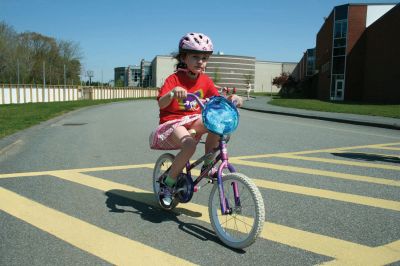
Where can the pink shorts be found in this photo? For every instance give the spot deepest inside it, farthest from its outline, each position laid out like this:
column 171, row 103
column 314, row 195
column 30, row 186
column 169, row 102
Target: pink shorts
column 161, row 139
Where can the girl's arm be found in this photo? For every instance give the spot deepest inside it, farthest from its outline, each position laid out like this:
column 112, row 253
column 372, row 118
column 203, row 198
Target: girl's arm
column 177, row 92
column 237, row 99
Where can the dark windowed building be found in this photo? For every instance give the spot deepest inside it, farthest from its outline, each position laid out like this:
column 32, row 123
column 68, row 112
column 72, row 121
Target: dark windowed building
column 357, row 53
column 134, row 76
column 306, row 67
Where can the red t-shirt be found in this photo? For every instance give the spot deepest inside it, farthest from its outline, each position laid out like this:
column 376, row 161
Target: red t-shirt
column 203, row 87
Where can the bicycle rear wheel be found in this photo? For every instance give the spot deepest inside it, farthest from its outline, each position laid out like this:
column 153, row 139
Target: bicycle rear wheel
column 241, row 227
column 163, row 163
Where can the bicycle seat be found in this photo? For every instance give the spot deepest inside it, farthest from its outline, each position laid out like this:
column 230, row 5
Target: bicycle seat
column 220, row 116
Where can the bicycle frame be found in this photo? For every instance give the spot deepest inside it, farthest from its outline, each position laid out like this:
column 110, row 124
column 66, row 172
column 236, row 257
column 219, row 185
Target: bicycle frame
column 223, row 157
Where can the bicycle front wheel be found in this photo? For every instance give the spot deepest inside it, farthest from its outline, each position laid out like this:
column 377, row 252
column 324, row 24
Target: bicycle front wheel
column 241, row 227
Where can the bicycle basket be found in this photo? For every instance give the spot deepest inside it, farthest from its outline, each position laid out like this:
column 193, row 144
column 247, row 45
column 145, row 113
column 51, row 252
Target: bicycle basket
column 220, row 116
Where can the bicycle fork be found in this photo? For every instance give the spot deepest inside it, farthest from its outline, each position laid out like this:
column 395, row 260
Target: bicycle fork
column 225, row 208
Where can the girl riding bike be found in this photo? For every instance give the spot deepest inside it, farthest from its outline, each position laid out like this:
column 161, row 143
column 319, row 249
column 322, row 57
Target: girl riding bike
column 180, row 125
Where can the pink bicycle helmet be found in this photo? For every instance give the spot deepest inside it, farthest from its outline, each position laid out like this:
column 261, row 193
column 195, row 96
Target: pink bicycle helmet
column 195, row 42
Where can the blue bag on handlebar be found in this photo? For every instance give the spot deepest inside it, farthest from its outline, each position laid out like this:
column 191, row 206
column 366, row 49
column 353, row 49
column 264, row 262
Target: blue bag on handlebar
column 220, row 116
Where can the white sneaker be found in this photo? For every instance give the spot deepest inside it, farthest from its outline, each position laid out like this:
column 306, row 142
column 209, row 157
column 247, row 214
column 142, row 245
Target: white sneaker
column 167, row 195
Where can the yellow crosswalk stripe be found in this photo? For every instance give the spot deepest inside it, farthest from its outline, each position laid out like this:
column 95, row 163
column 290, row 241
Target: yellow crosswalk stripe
column 106, row 245
column 103, row 168
column 372, row 146
column 388, row 148
column 328, row 194
column 319, row 244
column 325, row 194
column 375, row 180
column 391, row 251
column 341, row 162
column 341, row 250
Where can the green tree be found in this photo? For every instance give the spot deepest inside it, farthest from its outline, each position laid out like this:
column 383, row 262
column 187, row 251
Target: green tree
column 8, row 38
column 119, row 83
column 26, row 53
column 286, row 83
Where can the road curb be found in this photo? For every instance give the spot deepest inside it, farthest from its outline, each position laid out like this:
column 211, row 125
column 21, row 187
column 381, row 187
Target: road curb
column 332, row 119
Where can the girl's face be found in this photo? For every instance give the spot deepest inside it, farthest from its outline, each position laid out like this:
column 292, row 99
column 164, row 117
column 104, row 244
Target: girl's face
column 196, row 63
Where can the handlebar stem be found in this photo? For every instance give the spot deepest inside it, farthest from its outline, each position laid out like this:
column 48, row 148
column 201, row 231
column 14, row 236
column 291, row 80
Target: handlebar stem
column 198, row 100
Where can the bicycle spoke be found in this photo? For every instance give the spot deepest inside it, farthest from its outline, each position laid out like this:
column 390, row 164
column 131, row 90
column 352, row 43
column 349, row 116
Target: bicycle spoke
column 226, row 219
column 243, row 222
column 236, row 226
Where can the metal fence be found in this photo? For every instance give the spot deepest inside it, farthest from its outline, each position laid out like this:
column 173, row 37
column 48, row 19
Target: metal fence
column 17, row 94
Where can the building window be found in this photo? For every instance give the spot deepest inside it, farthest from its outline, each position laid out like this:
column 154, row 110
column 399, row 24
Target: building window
column 339, row 51
column 340, row 29
column 310, row 62
column 338, row 65
column 339, row 42
column 341, row 12
column 136, row 75
column 335, row 93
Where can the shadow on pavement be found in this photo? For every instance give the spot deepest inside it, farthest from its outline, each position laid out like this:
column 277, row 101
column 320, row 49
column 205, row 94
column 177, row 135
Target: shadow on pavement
column 150, row 212
column 369, row 157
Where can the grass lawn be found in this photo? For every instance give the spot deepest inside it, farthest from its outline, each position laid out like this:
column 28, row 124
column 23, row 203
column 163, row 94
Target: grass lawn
column 351, row 108
column 14, row 117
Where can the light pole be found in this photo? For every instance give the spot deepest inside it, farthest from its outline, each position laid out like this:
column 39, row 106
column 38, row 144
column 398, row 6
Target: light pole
column 18, row 70
column 44, row 74
column 65, row 77
column 89, row 73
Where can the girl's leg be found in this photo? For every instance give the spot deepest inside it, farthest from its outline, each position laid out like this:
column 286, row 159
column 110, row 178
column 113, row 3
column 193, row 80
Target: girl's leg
column 212, row 140
column 187, row 144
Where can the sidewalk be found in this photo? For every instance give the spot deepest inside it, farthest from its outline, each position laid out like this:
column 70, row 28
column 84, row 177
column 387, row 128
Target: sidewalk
column 260, row 104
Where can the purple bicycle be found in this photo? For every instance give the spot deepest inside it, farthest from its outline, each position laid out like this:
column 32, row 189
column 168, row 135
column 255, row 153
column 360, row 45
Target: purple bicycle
column 235, row 206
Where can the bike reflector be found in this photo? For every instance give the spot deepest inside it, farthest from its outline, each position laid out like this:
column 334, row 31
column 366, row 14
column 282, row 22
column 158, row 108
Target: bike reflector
column 220, row 116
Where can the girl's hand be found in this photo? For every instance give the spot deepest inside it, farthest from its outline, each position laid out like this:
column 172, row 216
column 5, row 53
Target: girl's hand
column 237, row 99
column 179, row 93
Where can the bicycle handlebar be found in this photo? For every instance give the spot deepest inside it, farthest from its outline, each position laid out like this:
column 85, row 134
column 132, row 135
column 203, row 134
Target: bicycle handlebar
column 199, row 101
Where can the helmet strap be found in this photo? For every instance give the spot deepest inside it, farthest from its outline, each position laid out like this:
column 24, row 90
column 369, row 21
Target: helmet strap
column 188, row 72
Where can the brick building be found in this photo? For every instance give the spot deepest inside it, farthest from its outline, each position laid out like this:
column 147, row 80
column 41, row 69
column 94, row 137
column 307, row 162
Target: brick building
column 357, row 54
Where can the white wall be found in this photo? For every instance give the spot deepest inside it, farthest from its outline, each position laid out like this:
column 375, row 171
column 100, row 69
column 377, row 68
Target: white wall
column 374, row 12
column 163, row 66
column 26, row 94
column 264, row 73
column 289, row 67
column 34, row 95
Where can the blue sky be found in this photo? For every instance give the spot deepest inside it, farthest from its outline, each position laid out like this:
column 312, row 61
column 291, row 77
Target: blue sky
column 121, row 33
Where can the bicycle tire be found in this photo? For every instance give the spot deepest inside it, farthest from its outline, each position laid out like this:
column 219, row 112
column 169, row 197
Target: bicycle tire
column 162, row 164
column 232, row 229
